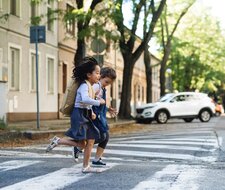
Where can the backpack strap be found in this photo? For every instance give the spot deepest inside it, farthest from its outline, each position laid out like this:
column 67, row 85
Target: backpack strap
column 90, row 90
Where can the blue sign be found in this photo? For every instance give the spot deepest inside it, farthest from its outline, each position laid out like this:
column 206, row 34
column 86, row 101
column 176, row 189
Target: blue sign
column 37, row 34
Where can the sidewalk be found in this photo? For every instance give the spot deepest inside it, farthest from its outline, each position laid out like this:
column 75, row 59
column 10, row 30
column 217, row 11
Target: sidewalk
column 49, row 128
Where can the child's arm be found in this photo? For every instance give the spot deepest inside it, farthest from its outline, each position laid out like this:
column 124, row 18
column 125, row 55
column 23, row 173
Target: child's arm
column 85, row 96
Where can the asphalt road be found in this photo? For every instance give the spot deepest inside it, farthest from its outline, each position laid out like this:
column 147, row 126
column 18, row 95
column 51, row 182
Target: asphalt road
column 175, row 156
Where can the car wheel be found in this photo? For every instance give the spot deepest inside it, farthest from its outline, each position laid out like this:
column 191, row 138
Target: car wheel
column 205, row 116
column 188, row 120
column 161, row 117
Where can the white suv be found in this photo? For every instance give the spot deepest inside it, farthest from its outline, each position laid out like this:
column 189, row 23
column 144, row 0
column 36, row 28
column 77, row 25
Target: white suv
column 183, row 105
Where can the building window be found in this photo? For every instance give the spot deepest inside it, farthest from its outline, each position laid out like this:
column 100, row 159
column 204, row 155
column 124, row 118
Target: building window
column 33, row 9
column 50, row 75
column 64, row 77
column 15, row 68
column 143, row 94
column 70, row 22
column 15, row 7
column 119, row 89
column 50, row 14
column 139, row 92
column 33, row 72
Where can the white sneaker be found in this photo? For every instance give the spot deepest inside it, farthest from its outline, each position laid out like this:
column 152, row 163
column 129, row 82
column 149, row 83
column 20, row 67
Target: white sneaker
column 89, row 169
column 53, row 143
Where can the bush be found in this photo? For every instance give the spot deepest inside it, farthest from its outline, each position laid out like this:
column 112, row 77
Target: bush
column 2, row 124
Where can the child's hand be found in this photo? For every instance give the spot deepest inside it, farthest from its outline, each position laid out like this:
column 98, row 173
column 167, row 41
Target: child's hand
column 102, row 101
column 93, row 116
column 97, row 94
column 112, row 111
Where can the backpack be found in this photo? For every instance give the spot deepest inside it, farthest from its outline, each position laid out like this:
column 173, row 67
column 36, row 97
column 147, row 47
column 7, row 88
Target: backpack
column 67, row 105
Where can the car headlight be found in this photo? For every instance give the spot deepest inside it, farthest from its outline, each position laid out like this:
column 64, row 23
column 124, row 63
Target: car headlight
column 149, row 107
column 148, row 113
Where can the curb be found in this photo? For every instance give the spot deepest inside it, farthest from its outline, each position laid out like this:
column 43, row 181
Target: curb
column 35, row 135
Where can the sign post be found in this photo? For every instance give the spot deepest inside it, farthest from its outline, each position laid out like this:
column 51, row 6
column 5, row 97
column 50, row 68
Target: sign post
column 37, row 35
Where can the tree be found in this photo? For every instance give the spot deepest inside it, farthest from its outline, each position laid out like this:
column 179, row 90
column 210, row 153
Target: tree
column 167, row 34
column 82, row 26
column 89, row 24
column 129, row 52
column 89, row 21
column 197, row 54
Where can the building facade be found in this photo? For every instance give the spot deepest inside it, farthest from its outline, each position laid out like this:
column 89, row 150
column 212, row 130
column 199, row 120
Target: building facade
column 17, row 63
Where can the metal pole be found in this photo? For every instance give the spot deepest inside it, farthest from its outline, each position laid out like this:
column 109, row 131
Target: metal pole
column 116, row 86
column 37, row 92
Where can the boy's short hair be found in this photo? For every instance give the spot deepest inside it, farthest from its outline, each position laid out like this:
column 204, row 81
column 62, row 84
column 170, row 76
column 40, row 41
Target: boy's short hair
column 108, row 72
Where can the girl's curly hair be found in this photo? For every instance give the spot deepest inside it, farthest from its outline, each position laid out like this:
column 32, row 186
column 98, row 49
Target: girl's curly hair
column 87, row 66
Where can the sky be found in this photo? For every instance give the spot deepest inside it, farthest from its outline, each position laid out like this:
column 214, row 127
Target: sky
column 217, row 9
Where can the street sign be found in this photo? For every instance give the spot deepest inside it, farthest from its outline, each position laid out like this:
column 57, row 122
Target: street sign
column 98, row 45
column 37, row 34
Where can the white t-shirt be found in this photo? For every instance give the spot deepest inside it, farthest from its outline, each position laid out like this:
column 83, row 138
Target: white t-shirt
column 82, row 98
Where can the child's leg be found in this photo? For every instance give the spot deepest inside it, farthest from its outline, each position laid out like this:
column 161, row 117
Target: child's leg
column 87, row 152
column 57, row 141
column 69, row 142
column 99, row 153
column 101, row 147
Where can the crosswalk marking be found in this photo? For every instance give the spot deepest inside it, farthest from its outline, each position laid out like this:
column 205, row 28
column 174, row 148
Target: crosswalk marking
column 176, row 147
column 172, row 147
column 203, row 136
column 172, row 177
column 165, row 148
column 30, row 154
column 55, row 180
column 163, row 155
column 15, row 164
column 172, row 142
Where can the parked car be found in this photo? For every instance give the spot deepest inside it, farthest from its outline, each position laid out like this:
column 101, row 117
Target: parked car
column 183, row 105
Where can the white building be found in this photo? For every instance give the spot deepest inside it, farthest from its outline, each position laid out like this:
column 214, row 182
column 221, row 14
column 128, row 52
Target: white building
column 17, row 63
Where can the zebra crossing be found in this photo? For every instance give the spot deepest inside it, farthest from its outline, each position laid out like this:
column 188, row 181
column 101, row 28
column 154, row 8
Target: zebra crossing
column 174, row 152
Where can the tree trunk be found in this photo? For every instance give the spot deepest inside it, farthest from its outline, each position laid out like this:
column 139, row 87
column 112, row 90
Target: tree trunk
column 81, row 26
column 80, row 53
column 125, row 108
column 163, row 69
column 148, row 72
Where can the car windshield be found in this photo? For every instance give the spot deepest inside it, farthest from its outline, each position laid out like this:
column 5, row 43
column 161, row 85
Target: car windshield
column 165, row 97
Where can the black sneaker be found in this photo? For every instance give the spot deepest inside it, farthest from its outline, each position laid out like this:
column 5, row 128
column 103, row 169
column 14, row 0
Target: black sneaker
column 75, row 153
column 98, row 163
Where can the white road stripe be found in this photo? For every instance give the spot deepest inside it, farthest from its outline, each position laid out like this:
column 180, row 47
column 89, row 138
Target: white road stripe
column 55, row 180
column 171, row 142
column 165, row 136
column 15, row 164
column 38, row 155
column 172, row 147
column 31, row 155
column 173, row 177
column 159, row 155
column 189, row 139
column 147, row 154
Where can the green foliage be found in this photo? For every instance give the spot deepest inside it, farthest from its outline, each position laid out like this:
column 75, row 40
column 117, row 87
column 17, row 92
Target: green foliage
column 2, row 124
column 197, row 58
